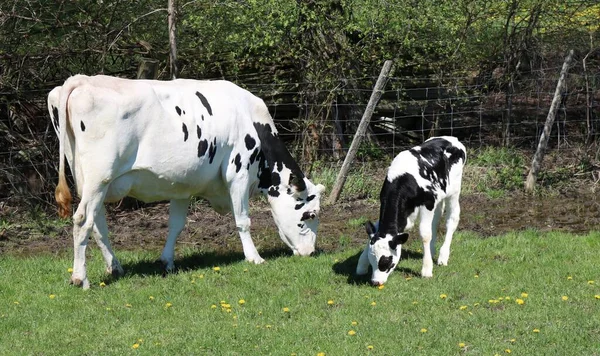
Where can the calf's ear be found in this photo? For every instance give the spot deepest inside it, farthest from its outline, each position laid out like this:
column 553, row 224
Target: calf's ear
column 370, row 228
column 398, row 240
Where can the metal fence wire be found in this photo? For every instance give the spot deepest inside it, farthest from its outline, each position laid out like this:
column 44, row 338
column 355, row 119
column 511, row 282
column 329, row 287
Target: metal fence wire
column 410, row 111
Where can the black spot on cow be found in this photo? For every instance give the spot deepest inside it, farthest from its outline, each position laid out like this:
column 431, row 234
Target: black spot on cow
column 250, row 142
column 274, row 191
column 299, row 206
column 82, row 126
column 253, row 156
column 202, row 147
column 204, row 102
column 238, row 163
column 178, row 109
column 275, row 179
column 300, row 225
column 202, row 117
column 212, row 151
column 385, row 264
column 55, row 116
column 310, row 197
column 185, row 132
column 276, row 154
column 198, row 131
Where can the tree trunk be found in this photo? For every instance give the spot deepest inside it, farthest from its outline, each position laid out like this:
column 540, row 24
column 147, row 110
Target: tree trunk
column 172, row 8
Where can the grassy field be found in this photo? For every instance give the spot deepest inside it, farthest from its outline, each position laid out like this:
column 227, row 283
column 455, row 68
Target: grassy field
column 525, row 293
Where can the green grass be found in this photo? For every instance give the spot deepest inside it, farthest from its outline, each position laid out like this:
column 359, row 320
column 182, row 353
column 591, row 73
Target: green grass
column 364, row 179
column 134, row 310
column 494, row 171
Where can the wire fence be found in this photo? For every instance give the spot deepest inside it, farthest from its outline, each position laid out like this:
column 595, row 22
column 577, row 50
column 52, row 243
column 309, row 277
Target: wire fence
column 479, row 111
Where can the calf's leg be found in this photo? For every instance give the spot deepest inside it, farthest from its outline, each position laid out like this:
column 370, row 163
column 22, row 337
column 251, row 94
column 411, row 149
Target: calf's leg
column 177, row 215
column 426, row 236
column 452, row 219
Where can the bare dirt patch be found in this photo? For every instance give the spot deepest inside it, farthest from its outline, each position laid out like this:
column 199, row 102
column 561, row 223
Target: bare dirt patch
column 146, row 228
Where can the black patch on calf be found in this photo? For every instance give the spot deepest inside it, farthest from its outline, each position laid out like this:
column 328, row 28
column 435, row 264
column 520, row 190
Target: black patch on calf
column 301, row 225
column 198, row 131
column 310, row 197
column 178, row 109
column 204, row 102
column 212, row 151
column 385, row 264
column 250, row 142
column 299, row 206
column 185, row 132
column 82, row 126
column 202, row 147
column 55, row 116
column 274, row 191
column 238, row 163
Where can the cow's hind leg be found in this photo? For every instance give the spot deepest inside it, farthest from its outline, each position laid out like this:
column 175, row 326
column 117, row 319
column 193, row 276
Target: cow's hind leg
column 452, row 218
column 84, row 219
column 177, row 215
column 426, row 236
column 100, row 232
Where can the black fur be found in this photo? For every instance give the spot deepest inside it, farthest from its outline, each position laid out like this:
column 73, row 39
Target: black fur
column 198, row 131
column 204, row 102
column 178, row 110
column 250, row 142
column 202, row 147
column 212, row 151
column 82, row 126
column 55, row 116
column 238, row 163
column 185, row 132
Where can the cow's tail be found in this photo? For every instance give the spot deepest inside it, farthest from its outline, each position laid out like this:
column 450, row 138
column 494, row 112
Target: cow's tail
column 62, row 193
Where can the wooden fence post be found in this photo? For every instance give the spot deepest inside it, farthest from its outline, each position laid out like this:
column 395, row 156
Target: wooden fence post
column 360, row 132
column 541, row 149
column 172, row 9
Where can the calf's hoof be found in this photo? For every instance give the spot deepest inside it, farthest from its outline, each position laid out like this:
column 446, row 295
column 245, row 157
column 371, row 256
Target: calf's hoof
column 115, row 271
column 256, row 260
column 77, row 282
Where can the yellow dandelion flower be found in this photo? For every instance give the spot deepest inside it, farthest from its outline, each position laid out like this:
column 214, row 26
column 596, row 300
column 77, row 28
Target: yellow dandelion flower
column 102, row 284
column 354, row 323
column 70, row 270
column 151, row 297
column 569, row 278
column 507, row 298
column 524, row 295
column 408, row 278
column 507, row 351
column 370, row 347
column 423, row 330
column 476, row 276
column 228, row 310
column 476, row 304
column 597, row 296
column 470, row 313
column 443, row 296
column 415, row 302
column 500, row 298
column 222, row 302
column 168, row 305
column 268, row 326
column 135, row 346
column 108, row 308
column 373, row 303
column 591, row 282
column 193, row 281
column 513, row 340
column 463, row 307
column 245, row 270
column 321, row 354
column 461, row 344
column 286, row 310
column 201, row 276
column 564, row 297
column 241, row 302
column 216, row 269
column 140, row 341
column 536, row 330
column 330, row 302
column 520, row 301
column 293, row 354
column 226, row 306
column 336, row 260
column 381, row 287
column 351, row 332
column 213, row 306
column 493, row 301
column 127, row 305
column 52, row 296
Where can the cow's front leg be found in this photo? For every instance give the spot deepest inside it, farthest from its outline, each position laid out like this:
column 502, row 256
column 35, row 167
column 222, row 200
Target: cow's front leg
column 177, row 215
column 363, row 262
column 425, row 231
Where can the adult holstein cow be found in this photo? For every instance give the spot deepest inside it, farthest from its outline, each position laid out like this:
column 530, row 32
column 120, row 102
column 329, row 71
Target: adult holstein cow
column 171, row 140
column 421, row 182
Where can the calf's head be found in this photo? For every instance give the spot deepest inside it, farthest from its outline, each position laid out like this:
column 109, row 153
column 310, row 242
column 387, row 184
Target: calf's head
column 296, row 213
column 383, row 252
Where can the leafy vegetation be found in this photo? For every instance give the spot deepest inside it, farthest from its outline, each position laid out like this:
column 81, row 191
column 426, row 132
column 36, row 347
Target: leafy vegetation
column 507, row 294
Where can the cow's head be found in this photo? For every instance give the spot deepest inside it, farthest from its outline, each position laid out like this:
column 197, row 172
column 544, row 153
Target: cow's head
column 383, row 252
column 295, row 207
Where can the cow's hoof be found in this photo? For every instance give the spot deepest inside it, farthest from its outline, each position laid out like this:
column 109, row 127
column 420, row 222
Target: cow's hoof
column 426, row 274
column 169, row 266
column 257, row 260
column 115, row 271
column 77, row 282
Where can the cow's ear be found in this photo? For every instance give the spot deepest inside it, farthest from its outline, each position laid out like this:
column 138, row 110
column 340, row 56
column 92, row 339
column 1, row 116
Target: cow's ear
column 370, row 228
column 398, row 240
column 320, row 188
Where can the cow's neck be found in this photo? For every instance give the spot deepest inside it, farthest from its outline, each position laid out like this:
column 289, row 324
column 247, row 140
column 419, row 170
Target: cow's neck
column 397, row 205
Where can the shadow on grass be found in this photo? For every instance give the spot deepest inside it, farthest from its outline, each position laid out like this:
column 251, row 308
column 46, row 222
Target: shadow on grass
column 190, row 262
column 348, row 268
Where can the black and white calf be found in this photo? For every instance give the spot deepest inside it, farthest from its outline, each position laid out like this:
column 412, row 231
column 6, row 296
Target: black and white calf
column 422, row 181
